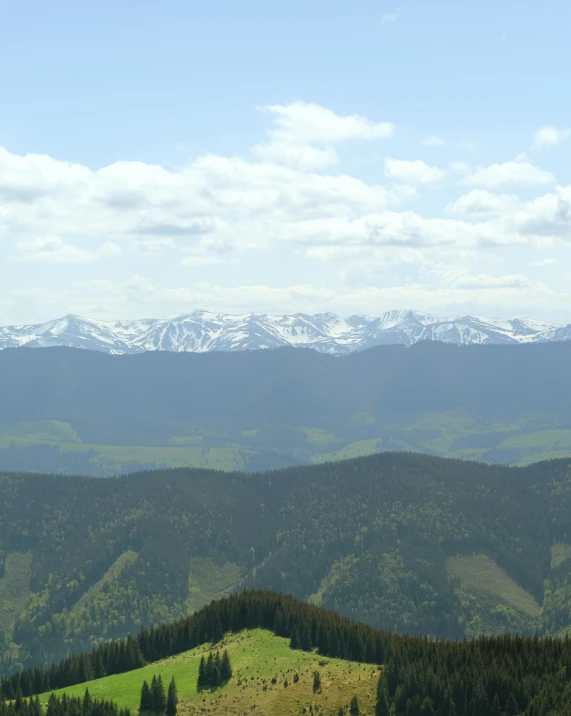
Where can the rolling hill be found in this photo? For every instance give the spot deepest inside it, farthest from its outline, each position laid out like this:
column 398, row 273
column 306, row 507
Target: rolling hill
column 84, row 412
column 282, row 655
column 405, row 542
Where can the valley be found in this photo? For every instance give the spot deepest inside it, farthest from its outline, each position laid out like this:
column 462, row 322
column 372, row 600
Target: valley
column 88, row 413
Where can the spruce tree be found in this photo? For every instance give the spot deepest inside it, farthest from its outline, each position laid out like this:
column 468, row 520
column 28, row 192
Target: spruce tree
column 172, row 699
column 496, row 709
column 146, row 702
column 354, row 708
column 216, row 629
column 159, row 700
column 427, row 709
column 209, row 669
column 201, row 682
column 305, row 641
column 294, row 641
column 87, row 701
column 225, row 667
column 383, row 708
column 316, row 681
column 512, row 708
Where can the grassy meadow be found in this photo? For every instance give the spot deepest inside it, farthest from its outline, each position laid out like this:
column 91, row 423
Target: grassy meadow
column 258, row 657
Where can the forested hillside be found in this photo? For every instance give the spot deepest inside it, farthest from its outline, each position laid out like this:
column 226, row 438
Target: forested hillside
column 75, row 411
column 288, row 656
column 405, row 542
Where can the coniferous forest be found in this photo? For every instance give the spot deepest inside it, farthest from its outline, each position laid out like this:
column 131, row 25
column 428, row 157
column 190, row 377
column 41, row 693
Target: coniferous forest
column 392, row 540
column 486, row 675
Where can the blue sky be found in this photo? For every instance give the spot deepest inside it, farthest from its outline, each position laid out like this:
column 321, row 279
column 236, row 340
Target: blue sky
column 302, row 156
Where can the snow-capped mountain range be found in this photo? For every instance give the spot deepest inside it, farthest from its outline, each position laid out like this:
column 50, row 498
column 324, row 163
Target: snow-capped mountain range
column 202, row 331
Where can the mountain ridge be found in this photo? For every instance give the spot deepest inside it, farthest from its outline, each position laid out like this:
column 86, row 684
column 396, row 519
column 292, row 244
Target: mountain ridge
column 202, row 331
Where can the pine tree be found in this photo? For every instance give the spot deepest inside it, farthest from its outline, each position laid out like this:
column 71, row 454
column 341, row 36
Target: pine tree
column 305, row 640
column 159, row 701
column 354, row 708
column 512, row 708
column 146, row 702
column 316, row 681
column 225, row 667
column 172, row 699
column 496, row 707
column 209, row 669
column 383, row 708
column 87, row 701
column 294, row 641
column 216, row 629
column 427, row 709
column 202, row 682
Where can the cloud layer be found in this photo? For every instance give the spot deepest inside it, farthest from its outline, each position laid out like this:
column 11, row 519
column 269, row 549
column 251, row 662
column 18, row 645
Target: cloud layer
column 290, row 208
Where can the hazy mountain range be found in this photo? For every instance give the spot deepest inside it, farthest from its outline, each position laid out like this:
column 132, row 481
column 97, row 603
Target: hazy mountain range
column 202, row 331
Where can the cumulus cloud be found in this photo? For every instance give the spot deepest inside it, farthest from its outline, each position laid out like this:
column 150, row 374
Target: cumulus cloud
column 508, row 174
column 413, row 172
column 304, row 135
column 548, row 136
column 482, row 203
column 290, row 201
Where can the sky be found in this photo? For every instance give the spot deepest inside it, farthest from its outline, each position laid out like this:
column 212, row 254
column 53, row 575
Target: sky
column 308, row 156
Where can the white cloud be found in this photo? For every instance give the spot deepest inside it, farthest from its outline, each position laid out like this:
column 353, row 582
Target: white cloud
column 53, row 249
column 433, row 141
column 448, row 292
column 482, row 203
column 390, row 17
column 299, row 213
column 305, row 123
column 549, row 136
column 543, row 262
column 512, row 173
column 413, row 171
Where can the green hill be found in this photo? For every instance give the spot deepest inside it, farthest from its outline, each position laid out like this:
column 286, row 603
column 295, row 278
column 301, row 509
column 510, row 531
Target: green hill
column 261, row 663
column 405, row 542
column 288, row 656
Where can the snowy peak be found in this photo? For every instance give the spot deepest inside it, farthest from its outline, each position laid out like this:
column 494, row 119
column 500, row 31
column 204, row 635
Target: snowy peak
column 202, row 331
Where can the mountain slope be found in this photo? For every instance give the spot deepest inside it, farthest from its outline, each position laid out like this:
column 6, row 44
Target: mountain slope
column 257, row 658
column 202, row 331
column 77, row 411
column 371, row 538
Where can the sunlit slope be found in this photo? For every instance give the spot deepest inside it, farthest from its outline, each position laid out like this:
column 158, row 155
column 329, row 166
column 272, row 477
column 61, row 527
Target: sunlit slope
column 258, row 657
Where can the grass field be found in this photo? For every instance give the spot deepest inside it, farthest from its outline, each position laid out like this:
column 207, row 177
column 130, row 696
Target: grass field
column 433, row 433
column 216, row 458
column 479, row 573
column 257, row 657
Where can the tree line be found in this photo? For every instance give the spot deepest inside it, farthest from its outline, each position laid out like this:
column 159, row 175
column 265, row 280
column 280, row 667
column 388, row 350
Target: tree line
column 61, row 706
column 418, row 677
